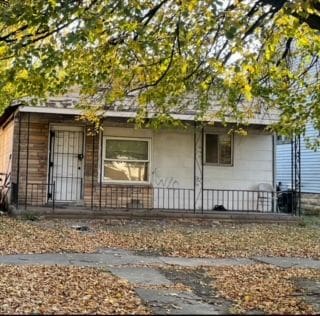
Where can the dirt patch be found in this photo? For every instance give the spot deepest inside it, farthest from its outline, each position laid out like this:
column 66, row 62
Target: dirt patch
column 200, row 284
column 263, row 287
column 310, row 291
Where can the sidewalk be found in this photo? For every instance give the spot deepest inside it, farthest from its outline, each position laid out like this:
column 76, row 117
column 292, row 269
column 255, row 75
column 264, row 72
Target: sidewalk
column 147, row 271
column 118, row 257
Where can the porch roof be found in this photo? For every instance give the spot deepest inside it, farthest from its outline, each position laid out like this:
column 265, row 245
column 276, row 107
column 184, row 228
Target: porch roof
column 262, row 119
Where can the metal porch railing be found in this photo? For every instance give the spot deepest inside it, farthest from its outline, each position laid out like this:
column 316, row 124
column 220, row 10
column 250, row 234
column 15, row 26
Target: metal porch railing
column 159, row 198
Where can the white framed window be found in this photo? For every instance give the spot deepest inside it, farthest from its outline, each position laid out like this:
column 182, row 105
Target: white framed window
column 218, row 149
column 126, row 160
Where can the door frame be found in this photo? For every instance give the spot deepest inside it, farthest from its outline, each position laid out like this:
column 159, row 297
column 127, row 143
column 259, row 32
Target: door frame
column 63, row 126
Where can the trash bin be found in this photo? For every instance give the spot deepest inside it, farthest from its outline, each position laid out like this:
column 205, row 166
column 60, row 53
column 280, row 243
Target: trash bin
column 287, row 201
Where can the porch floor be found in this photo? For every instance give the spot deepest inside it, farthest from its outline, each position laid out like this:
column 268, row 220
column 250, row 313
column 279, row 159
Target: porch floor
column 221, row 216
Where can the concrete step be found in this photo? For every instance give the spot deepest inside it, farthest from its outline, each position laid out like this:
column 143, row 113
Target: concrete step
column 221, row 216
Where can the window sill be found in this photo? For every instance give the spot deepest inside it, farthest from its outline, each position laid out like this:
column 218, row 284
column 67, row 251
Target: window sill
column 126, row 183
column 216, row 165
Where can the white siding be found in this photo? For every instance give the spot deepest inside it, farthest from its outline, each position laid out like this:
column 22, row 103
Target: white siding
column 252, row 165
column 310, row 164
column 172, row 159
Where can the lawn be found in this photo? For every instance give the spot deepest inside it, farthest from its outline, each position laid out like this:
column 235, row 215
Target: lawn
column 74, row 290
column 172, row 238
column 65, row 290
column 265, row 288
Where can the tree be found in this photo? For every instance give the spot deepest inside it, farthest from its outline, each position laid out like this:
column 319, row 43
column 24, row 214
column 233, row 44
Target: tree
column 245, row 56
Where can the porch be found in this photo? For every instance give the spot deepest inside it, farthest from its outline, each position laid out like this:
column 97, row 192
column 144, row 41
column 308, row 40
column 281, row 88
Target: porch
column 156, row 202
column 59, row 167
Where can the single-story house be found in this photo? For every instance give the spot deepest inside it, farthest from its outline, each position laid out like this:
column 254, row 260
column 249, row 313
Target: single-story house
column 49, row 160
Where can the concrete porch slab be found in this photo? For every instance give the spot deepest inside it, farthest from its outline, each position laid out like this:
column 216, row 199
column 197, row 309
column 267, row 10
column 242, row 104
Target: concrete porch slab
column 221, row 216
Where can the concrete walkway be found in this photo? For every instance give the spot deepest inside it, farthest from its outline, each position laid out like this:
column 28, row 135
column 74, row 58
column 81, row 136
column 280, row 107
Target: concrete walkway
column 118, row 257
column 143, row 272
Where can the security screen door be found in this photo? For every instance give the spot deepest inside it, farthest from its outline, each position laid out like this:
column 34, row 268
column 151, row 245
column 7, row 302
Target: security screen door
column 66, row 163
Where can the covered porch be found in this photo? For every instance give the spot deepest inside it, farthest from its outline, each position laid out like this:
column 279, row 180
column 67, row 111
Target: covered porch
column 59, row 165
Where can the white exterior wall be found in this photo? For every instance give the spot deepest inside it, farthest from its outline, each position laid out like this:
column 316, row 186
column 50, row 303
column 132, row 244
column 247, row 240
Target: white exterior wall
column 172, row 159
column 252, row 164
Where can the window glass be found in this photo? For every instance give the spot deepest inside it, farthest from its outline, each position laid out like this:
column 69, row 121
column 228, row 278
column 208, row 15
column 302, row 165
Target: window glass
column 126, row 149
column 126, row 171
column 211, row 148
column 126, row 160
column 225, row 149
column 218, row 149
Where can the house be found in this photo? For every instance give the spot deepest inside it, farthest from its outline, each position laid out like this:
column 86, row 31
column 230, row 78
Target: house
column 309, row 169
column 49, row 161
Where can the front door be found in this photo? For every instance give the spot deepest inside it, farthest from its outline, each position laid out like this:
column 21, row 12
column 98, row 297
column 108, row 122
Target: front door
column 66, row 163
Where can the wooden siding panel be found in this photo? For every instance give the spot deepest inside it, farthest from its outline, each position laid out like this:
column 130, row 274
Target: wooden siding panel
column 34, row 170
column 6, row 146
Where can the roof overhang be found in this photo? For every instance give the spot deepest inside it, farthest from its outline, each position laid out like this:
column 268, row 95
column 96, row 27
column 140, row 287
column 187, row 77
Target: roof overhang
column 120, row 114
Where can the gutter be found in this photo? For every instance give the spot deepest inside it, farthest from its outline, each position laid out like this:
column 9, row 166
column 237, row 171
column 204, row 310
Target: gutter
column 118, row 114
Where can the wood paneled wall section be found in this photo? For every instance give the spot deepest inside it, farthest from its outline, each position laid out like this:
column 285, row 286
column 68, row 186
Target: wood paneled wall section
column 34, row 170
column 6, row 142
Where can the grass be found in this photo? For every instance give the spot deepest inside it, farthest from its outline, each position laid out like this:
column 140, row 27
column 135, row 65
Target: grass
column 160, row 237
column 65, row 290
column 266, row 288
column 310, row 220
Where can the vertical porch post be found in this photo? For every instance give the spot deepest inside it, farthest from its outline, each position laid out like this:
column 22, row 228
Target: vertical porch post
column 27, row 162
column 202, row 163
column 297, row 175
column 92, row 171
column 194, row 164
column 292, row 173
column 299, row 178
column 274, row 185
column 18, row 163
column 101, row 166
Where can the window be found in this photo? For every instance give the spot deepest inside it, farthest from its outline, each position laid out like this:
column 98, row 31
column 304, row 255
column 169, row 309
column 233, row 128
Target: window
column 126, row 160
column 218, row 149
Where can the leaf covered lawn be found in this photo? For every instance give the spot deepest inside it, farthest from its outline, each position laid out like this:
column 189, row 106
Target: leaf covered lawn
column 19, row 236
column 65, row 290
column 263, row 287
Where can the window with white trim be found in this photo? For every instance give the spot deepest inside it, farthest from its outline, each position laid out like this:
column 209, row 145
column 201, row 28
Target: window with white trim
column 218, row 149
column 126, row 159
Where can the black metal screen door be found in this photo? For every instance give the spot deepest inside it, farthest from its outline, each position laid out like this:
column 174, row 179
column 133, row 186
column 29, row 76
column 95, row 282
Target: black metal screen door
column 66, row 163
